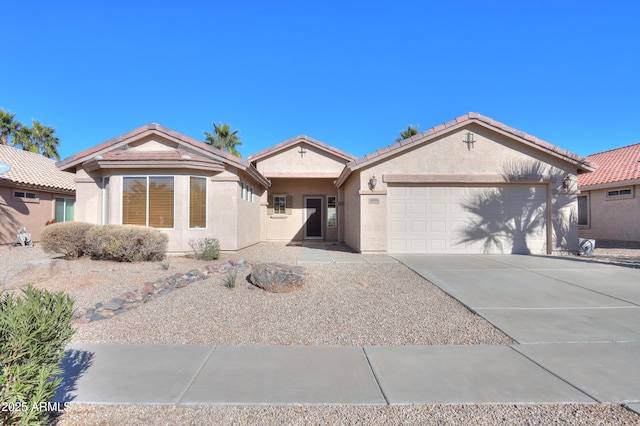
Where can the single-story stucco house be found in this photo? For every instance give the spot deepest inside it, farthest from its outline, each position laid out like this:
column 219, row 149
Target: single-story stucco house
column 33, row 192
column 608, row 205
column 471, row 185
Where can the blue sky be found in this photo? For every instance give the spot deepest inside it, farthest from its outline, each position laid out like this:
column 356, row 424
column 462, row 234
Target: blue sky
column 351, row 74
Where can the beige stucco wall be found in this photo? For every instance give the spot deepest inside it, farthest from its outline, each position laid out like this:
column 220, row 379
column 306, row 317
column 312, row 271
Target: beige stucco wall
column 32, row 213
column 89, row 197
column 491, row 154
column 612, row 219
column 298, row 176
column 352, row 211
column 291, row 227
column 289, row 161
column 234, row 222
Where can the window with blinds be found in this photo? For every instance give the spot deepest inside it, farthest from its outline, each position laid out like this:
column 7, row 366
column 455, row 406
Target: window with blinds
column 197, row 202
column 148, row 201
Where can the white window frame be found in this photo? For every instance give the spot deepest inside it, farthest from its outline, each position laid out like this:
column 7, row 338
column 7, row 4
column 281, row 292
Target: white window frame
column 26, row 195
column 615, row 194
column 274, row 204
column 335, row 225
column 64, row 207
column 588, row 207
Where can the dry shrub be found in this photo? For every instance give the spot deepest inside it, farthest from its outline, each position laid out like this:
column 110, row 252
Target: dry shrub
column 126, row 243
column 67, row 238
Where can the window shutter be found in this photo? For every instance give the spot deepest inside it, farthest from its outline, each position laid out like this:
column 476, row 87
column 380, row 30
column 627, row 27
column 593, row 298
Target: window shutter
column 289, row 204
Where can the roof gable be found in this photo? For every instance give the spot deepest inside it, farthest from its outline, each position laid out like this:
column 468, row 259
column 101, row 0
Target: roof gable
column 35, row 170
column 616, row 165
column 301, row 139
column 455, row 125
column 154, row 142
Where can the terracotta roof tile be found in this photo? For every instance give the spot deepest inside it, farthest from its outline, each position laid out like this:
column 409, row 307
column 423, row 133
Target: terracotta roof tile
column 616, row 165
column 172, row 155
column 29, row 168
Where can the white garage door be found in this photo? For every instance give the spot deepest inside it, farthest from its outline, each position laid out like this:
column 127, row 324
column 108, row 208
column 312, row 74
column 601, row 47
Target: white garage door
column 467, row 219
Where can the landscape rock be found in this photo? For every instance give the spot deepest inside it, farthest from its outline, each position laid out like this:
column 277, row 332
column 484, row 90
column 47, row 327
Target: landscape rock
column 278, row 277
column 34, row 271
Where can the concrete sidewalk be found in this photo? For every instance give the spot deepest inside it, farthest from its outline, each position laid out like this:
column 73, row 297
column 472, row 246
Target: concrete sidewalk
column 328, row 252
column 380, row 375
column 576, row 322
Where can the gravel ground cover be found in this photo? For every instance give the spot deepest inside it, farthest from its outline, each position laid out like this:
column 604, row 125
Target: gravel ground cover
column 374, row 304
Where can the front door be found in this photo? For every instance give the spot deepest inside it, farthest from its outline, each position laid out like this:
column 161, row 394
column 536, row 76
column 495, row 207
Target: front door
column 313, row 215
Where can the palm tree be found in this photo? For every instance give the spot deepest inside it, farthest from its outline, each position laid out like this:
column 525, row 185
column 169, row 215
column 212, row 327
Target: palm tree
column 224, row 139
column 43, row 141
column 8, row 126
column 404, row 134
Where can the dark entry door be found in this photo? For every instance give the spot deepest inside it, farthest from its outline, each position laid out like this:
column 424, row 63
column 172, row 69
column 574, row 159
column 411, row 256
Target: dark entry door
column 313, row 225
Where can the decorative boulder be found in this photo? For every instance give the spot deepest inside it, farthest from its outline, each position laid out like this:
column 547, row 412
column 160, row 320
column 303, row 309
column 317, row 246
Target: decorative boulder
column 278, row 277
column 33, row 271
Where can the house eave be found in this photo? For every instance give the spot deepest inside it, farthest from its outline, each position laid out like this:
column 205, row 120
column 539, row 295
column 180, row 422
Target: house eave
column 151, row 164
column 609, row 185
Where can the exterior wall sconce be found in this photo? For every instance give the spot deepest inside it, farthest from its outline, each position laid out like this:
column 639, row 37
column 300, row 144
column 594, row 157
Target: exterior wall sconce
column 567, row 183
column 373, row 182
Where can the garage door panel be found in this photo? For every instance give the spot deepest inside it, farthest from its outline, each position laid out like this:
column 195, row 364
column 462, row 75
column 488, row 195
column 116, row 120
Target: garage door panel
column 458, row 219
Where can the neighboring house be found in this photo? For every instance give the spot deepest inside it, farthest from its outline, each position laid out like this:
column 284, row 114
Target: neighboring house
column 471, row 185
column 609, row 203
column 33, row 192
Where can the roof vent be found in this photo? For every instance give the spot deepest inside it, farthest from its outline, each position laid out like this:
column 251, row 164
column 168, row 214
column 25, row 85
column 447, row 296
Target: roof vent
column 185, row 157
column 98, row 157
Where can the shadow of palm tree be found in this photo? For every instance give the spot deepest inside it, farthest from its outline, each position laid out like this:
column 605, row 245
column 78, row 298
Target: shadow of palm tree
column 506, row 217
column 73, row 365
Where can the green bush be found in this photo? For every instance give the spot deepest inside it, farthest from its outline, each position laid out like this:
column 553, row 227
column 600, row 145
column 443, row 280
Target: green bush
column 126, row 243
column 67, row 238
column 34, row 330
column 206, row 248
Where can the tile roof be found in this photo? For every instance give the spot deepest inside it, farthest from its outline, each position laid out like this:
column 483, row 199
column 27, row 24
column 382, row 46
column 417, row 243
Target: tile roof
column 487, row 122
column 169, row 155
column 298, row 139
column 616, row 165
column 112, row 145
column 87, row 154
column 31, row 169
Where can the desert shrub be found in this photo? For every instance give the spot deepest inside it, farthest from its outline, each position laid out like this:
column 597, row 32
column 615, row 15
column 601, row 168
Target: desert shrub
column 126, row 243
column 34, row 330
column 230, row 279
column 67, row 238
column 206, row 248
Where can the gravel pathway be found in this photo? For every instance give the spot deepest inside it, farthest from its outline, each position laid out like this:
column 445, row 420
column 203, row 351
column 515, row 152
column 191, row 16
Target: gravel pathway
column 342, row 304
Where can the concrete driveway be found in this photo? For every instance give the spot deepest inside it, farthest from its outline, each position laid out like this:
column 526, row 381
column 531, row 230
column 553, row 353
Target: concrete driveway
column 579, row 320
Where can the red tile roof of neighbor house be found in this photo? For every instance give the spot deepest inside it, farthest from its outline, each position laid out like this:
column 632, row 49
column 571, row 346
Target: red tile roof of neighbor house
column 485, row 121
column 34, row 170
column 616, row 165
